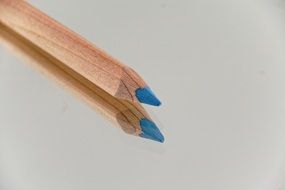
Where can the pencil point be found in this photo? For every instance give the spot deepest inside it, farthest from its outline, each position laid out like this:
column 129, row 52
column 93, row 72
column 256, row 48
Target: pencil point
column 145, row 95
column 150, row 131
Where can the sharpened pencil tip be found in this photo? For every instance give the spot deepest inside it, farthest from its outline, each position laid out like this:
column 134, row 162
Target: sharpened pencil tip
column 145, row 95
column 150, row 131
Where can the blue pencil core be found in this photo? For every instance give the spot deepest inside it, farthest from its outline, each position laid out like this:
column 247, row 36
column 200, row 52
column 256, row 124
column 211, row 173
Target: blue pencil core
column 150, row 130
column 145, row 95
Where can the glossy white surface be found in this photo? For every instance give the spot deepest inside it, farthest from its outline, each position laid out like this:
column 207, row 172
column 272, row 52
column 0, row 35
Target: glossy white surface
column 219, row 69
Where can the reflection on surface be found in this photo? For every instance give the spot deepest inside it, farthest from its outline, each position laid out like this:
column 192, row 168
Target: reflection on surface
column 126, row 115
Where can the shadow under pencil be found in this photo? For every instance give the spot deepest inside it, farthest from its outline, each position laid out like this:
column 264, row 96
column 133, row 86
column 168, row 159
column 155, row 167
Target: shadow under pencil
column 131, row 117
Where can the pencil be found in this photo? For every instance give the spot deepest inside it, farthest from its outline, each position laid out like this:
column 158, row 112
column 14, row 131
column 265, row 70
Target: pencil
column 130, row 116
column 76, row 53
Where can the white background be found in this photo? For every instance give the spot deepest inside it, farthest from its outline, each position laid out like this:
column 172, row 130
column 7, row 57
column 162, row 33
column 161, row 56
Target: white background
column 219, row 69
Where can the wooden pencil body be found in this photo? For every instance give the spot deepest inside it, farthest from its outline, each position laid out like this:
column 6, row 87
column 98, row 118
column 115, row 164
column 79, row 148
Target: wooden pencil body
column 76, row 54
column 126, row 115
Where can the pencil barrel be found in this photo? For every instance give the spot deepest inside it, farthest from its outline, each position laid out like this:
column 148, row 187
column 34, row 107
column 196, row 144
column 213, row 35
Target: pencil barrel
column 71, row 49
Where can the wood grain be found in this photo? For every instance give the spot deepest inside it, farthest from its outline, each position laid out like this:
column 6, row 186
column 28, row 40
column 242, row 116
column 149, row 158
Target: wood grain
column 123, row 113
column 76, row 54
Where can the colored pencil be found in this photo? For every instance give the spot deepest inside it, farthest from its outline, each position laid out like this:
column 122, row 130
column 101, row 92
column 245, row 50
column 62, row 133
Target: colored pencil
column 130, row 116
column 77, row 54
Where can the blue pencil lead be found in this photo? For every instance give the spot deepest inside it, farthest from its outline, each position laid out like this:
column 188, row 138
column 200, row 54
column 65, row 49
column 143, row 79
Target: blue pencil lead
column 150, row 131
column 145, row 95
